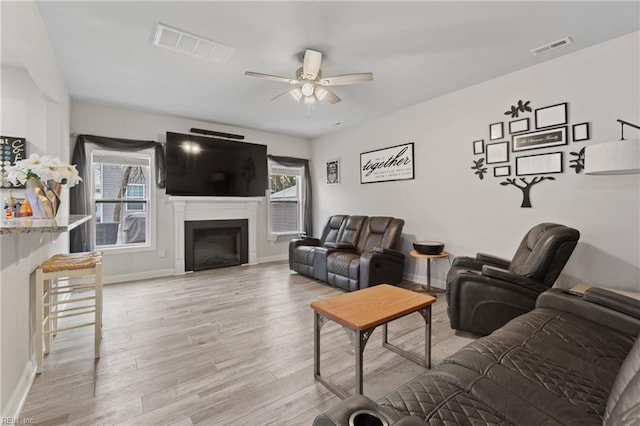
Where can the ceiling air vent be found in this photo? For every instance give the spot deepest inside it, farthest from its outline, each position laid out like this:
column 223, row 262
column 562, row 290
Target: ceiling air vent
column 190, row 44
column 548, row 47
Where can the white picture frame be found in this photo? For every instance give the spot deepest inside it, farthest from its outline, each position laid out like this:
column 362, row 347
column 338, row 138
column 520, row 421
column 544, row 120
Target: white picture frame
column 497, row 152
column 539, row 164
column 387, row 164
column 553, row 115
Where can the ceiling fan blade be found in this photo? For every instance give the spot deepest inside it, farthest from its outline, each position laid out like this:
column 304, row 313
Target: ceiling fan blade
column 311, row 64
column 346, row 79
column 326, row 95
column 295, row 93
column 271, row 77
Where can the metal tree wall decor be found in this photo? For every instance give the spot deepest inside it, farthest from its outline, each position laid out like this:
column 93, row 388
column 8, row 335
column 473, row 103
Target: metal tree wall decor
column 521, row 157
column 525, row 187
column 478, row 166
column 577, row 163
column 518, row 108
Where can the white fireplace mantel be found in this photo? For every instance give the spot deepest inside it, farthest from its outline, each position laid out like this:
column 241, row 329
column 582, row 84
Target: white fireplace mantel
column 212, row 208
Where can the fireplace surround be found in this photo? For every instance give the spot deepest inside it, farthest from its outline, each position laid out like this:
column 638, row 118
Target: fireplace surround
column 187, row 209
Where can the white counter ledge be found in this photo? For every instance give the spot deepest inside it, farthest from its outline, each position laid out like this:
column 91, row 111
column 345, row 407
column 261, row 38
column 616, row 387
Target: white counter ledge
column 30, row 225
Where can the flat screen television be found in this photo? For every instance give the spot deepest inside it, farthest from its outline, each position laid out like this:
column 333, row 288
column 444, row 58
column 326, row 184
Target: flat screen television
column 206, row 166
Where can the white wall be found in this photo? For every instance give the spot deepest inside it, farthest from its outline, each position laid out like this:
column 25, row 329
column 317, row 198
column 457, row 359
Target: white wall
column 102, row 120
column 35, row 105
column 447, row 202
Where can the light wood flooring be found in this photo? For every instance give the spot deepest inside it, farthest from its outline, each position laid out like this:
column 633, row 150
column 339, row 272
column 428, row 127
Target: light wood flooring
column 231, row 346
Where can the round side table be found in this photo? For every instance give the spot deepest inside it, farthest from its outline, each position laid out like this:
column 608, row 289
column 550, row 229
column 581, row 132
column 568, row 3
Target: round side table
column 440, row 255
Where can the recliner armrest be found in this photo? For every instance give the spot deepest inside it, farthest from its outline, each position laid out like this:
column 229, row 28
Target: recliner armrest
column 563, row 300
column 305, row 241
column 505, row 275
column 340, row 246
column 613, row 300
column 390, row 252
column 493, row 260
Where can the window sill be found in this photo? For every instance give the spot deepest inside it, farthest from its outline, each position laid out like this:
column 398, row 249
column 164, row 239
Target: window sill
column 283, row 235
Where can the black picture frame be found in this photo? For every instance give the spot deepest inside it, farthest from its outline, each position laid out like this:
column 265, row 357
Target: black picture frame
column 388, row 164
column 333, row 172
column 551, row 116
column 496, row 131
column 12, row 149
column 539, row 139
column 501, row 171
column 580, row 132
column 497, row 152
column 478, row 147
column 540, row 164
column 519, row 126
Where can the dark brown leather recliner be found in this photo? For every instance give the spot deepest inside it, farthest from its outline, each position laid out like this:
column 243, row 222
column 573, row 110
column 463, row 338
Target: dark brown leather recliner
column 485, row 292
column 301, row 250
column 362, row 253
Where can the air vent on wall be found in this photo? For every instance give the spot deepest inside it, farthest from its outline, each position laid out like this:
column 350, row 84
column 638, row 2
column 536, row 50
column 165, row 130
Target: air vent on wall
column 548, row 47
column 190, row 44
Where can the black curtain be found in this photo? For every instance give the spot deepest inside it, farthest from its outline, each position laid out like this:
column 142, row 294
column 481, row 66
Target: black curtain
column 306, row 190
column 79, row 194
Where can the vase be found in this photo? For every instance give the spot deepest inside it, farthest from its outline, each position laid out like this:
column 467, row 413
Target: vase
column 43, row 197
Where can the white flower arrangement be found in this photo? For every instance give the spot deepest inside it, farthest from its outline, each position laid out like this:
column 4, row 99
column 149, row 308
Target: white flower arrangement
column 44, row 168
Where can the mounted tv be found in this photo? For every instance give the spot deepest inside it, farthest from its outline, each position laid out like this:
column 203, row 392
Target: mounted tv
column 206, row 166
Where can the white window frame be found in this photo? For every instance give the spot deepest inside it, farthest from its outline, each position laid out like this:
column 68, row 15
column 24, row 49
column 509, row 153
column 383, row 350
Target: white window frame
column 299, row 172
column 152, row 235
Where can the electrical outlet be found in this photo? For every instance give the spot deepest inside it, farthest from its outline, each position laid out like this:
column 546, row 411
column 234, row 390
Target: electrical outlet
column 162, row 253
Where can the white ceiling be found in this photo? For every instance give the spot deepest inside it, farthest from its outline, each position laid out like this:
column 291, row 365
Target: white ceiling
column 416, row 51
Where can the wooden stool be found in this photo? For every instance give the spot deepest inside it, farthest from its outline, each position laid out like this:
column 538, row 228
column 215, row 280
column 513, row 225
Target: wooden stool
column 54, row 301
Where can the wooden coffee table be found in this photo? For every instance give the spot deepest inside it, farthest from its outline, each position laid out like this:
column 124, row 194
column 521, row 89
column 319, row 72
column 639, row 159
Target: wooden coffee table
column 359, row 313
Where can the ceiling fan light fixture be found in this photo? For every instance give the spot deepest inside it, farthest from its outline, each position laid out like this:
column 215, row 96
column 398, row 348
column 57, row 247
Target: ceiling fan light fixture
column 320, row 93
column 296, row 94
column 307, row 89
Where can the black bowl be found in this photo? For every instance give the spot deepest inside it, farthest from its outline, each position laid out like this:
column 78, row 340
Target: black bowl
column 428, row 247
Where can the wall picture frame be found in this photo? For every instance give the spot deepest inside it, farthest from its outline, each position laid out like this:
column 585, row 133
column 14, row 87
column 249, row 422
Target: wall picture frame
column 497, row 152
column 519, row 126
column 539, row 164
column 580, row 132
column 539, row 139
column 12, row 149
column 501, row 171
column 387, row 164
column 333, row 172
column 496, row 131
column 550, row 116
column 478, row 147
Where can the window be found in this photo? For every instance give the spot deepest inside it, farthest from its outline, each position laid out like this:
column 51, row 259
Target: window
column 285, row 200
column 117, row 178
column 135, row 190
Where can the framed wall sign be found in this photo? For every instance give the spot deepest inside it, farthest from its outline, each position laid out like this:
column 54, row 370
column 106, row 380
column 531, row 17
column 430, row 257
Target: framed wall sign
column 540, row 139
column 539, row 164
column 387, row 164
column 12, row 149
column 580, row 132
column 333, row 172
column 495, row 131
column 478, row 147
column 554, row 115
column 497, row 152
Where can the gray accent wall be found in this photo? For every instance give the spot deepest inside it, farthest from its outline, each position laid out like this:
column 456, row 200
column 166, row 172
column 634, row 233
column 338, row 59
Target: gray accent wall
column 447, row 202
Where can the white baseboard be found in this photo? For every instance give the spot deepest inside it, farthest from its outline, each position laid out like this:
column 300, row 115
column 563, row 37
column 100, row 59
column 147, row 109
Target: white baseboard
column 112, row 279
column 276, row 258
column 422, row 279
column 20, row 393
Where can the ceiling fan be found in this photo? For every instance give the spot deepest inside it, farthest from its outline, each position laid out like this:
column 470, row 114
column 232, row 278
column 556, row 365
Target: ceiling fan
column 311, row 86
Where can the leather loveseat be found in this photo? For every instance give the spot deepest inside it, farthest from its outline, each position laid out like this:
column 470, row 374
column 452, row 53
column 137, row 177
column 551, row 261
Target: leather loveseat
column 353, row 252
column 572, row 361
